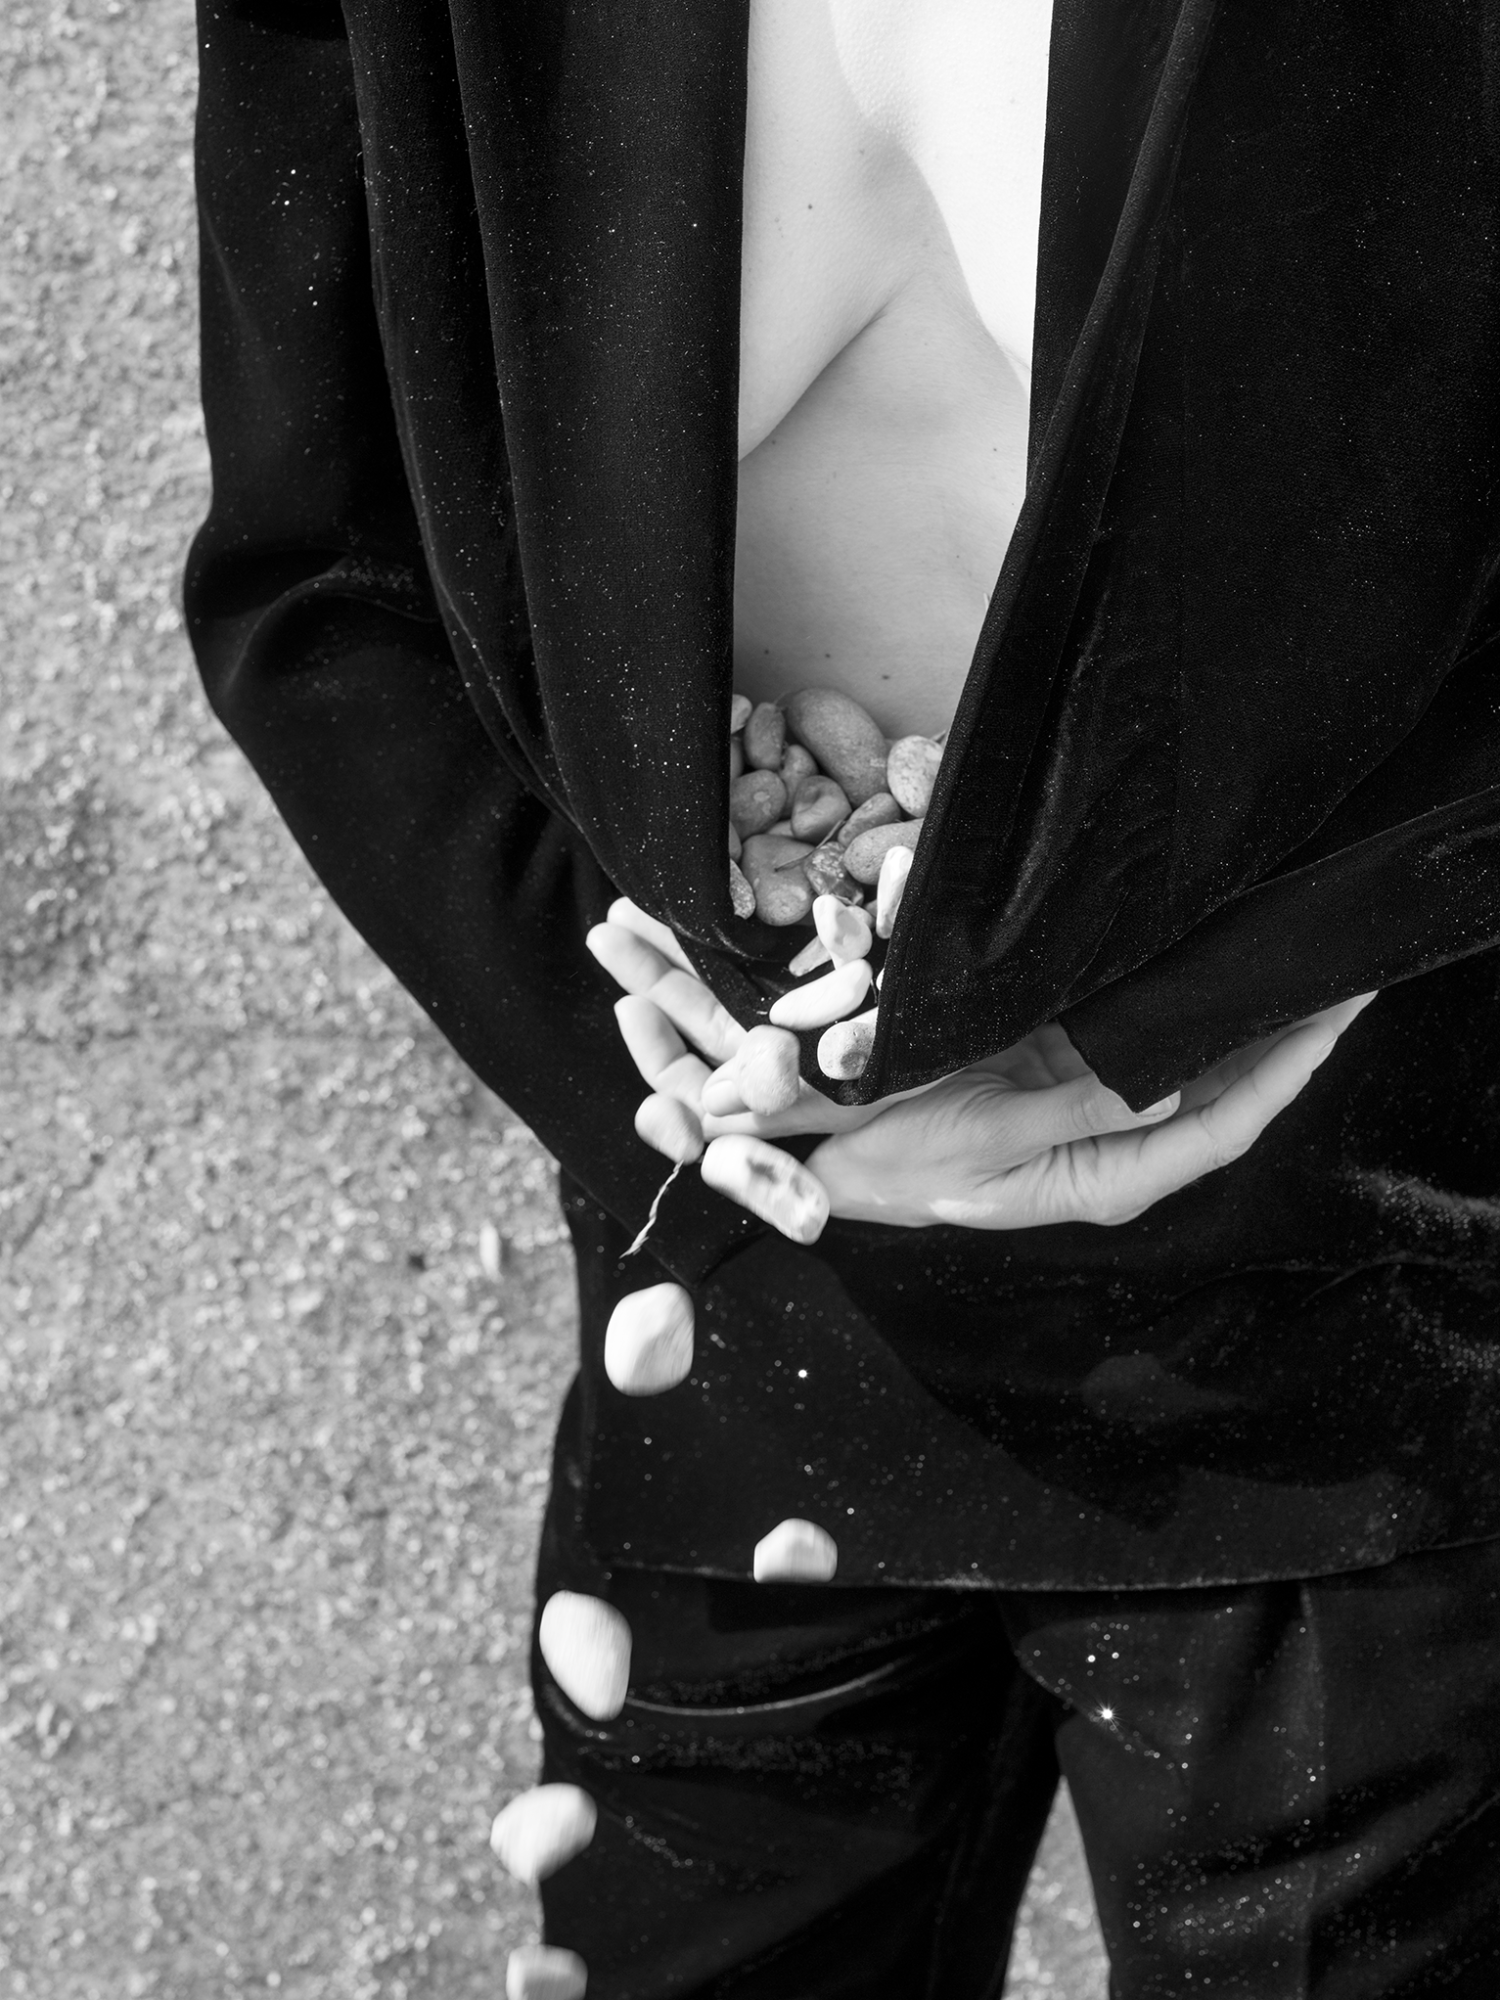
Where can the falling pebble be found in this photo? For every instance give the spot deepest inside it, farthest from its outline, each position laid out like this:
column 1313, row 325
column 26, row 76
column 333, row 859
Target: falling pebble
column 795, row 1552
column 586, row 1645
column 543, row 1972
column 489, row 1251
column 542, row 1829
column 648, row 1344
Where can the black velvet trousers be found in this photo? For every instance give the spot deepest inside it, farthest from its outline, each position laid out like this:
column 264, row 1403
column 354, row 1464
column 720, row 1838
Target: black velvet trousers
column 1285, row 1789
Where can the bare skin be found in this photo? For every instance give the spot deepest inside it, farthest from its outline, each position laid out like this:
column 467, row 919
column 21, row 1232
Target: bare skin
column 892, row 190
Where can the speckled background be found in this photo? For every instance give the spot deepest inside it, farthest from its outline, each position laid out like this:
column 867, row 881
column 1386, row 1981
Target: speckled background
column 274, row 1440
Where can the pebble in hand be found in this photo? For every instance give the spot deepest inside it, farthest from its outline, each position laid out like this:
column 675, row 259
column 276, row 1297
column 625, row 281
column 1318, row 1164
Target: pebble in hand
column 825, row 1000
column 542, row 1829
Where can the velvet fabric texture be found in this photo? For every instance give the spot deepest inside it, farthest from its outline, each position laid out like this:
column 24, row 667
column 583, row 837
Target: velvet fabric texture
column 1288, row 1790
column 1229, row 748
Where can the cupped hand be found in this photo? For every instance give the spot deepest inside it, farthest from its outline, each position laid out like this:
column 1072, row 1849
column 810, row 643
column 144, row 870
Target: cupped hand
column 1027, row 1138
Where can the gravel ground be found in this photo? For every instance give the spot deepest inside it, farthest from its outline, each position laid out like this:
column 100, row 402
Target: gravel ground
column 274, row 1438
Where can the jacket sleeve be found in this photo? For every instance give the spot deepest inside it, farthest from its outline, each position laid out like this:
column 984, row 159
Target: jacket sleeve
column 1401, row 879
column 313, row 619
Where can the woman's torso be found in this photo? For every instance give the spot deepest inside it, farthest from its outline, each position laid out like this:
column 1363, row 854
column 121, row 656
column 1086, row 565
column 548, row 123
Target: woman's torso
column 892, row 189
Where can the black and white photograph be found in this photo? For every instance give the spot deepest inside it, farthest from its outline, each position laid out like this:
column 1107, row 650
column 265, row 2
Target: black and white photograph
column 750, row 1000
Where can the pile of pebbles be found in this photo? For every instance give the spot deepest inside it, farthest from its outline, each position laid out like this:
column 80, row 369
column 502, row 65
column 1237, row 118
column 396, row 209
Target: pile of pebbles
column 823, row 811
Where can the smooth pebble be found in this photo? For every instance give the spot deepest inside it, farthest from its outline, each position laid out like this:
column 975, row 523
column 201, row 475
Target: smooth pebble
column 863, row 857
column 542, row 1830
column 894, row 870
column 783, row 894
column 586, row 1645
column 756, row 801
column 824, row 1000
column 545, row 1972
column 844, row 737
column 795, row 1552
column 843, row 927
column 882, row 810
column 765, row 736
column 648, row 1344
column 911, row 772
column 844, row 1049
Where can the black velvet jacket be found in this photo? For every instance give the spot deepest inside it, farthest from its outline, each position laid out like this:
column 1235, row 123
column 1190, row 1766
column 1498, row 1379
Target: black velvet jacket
column 1229, row 748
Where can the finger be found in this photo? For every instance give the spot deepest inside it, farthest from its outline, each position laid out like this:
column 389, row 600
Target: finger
column 1219, row 1133
column 631, row 917
column 653, row 1043
column 628, row 961
column 691, row 1005
column 770, row 1183
column 668, row 1126
column 721, row 1093
column 664, row 1060
column 1343, row 1015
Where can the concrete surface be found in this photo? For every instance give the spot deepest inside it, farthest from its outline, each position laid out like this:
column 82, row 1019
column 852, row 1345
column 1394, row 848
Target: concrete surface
column 274, row 1444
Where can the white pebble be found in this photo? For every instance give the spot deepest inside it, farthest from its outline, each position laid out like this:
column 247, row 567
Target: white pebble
column 844, row 1051
column 811, row 956
column 844, row 928
column 542, row 1829
column 796, row 1552
column 739, row 713
column 489, row 1251
column 893, row 873
column 827, row 999
column 543, row 1972
column 648, row 1344
column 586, row 1644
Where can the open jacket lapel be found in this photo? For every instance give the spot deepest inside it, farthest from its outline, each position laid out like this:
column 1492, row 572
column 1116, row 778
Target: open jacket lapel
column 606, row 144
column 1121, row 84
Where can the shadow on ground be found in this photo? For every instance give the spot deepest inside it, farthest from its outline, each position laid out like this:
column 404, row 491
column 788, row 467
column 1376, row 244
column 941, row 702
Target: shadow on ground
column 274, row 1440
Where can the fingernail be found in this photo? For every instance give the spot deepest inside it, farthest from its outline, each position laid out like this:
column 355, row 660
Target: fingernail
column 1164, row 1108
